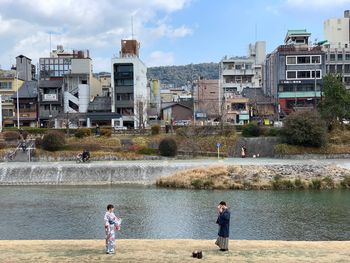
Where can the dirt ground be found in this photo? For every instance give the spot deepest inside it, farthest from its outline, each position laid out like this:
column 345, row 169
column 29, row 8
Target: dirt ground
column 173, row 251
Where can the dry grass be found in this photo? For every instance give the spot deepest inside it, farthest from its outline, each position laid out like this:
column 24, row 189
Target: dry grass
column 173, row 251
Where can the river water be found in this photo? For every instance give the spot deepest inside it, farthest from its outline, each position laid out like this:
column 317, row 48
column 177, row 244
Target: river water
column 72, row 212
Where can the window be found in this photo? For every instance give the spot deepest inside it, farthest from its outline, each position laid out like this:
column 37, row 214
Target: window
column 5, row 85
column 332, row 57
column 304, row 74
column 291, row 60
column 291, row 74
column 304, row 60
column 331, row 68
column 238, row 67
column 318, row 74
column 347, row 68
column 316, row 59
column 339, row 68
column 347, row 56
column 340, row 57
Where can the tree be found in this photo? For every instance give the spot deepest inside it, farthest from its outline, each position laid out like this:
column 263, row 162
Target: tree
column 335, row 106
column 304, row 128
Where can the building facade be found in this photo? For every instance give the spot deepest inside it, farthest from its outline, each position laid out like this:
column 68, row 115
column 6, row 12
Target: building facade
column 293, row 73
column 130, row 96
column 337, row 47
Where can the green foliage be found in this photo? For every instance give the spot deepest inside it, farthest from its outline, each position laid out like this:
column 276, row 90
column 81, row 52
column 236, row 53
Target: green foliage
column 345, row 183
column 30, row 130
column 106, row 132
column 183, row 75
column 316, row 184
column 251, row 130
column 155, row 129
column 148, row 151
column 53, row 141
column 304, row 128
column 335, row 105
column 10, row 135
column 168, row 147
column 82, row 132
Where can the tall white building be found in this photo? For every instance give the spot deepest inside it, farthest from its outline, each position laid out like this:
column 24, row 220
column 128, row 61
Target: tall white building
column 337, row 47
column 130, row 96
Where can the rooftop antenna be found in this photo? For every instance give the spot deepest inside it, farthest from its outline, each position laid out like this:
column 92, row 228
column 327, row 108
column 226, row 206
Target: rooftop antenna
column 132, row 27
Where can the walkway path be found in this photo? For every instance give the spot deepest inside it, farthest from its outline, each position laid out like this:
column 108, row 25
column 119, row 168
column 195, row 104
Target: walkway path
column 173, row 251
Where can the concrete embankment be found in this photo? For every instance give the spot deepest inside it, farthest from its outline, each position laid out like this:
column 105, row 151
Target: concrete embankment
column 147, row 172
column 173, row 251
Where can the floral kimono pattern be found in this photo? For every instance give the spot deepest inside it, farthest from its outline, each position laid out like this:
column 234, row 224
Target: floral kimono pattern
column 112, row 223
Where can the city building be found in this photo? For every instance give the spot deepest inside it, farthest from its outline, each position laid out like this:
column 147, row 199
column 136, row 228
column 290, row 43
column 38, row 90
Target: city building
column 337, row 47
column 130, row 96
column 28, row 104
column 293, row 73
column 25, row 68
column 236, row 74
column 9, row 84
column 155, row 99
column 206, row 100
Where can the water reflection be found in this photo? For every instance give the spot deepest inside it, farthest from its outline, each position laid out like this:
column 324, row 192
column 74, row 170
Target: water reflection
column 76, row 213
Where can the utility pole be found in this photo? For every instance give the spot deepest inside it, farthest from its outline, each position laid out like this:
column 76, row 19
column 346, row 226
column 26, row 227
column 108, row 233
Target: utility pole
column 17, row 101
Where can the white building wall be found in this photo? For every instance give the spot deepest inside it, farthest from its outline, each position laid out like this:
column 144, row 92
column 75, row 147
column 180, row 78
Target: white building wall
column 336, row 32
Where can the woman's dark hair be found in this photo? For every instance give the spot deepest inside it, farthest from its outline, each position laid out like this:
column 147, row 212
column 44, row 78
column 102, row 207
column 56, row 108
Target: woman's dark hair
column 222, row 203
column 109, row 206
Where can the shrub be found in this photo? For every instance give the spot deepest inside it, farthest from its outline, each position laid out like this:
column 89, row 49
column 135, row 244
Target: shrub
column 140, row 142
column 148, row 151
column 155, row 129
column 251, row 130
column 345, row 183
column 316, row 184
column 168, row 147
column 299, row 184
column 10, row 135
column 53, row 141
column 305, row 129
column 38, row 142
column 106, row 132
column 82, row 132
column 328, row 182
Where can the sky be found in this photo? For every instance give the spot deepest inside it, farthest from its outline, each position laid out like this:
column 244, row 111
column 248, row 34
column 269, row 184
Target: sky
column 171, row 32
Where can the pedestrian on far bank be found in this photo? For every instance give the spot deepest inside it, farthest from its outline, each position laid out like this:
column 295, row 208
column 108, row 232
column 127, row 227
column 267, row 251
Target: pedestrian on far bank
column 224, row 226
column 97, row 130
column 112, row 223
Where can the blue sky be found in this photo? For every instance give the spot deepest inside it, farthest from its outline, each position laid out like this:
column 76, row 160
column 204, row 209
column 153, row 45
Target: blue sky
column 171, row 32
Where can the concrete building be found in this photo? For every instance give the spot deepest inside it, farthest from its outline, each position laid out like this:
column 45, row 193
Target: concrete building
column 155, row 99
column 130, row 96
column 9, row 83
column 293, row 73
column 24, row 68
column 206, row 100
column 337, row 47
column 236, row 74
column 28, row 104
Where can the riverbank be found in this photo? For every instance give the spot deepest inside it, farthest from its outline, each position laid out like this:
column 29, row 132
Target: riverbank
column 173, row 251
column 260, row 177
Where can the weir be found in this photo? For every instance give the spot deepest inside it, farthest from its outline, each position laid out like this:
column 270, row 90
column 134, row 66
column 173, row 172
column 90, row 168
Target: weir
column 98, row 173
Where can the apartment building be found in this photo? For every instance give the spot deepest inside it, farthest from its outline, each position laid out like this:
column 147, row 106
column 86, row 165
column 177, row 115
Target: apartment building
column 337, row 47
column 236, row 74
column 9, row 84
column 130, row 96
column 293, row 73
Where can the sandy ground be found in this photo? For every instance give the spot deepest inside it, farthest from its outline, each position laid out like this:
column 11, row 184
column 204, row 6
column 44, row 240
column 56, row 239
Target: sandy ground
column 173, row 251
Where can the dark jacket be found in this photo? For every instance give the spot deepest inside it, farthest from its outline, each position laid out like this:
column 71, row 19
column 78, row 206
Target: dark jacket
column 224, row 223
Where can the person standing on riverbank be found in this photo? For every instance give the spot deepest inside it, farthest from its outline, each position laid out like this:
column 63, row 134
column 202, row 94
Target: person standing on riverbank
column 224, row 226
column 112, row 223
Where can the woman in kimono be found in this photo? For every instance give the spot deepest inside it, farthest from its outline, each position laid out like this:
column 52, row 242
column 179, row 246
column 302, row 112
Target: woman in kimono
column 112, row 223
column 224, row 226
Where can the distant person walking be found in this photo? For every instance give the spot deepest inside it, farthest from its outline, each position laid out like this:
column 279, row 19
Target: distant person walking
column 243, row 151
column 224, row 226
column 112, row 223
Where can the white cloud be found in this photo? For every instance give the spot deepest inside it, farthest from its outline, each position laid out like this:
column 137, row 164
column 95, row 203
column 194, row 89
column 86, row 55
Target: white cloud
column 317, row 4
column 99, row 26
column 160, row 58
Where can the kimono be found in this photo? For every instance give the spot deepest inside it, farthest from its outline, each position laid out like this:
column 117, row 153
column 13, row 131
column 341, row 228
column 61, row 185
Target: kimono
column 112, row 223
column 224, row 229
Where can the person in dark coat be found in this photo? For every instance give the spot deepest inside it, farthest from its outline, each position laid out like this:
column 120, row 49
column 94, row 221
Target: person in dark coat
column 224, row 226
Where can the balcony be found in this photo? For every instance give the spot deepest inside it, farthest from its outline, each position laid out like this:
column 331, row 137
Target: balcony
column 48, row 113
column 237, row 72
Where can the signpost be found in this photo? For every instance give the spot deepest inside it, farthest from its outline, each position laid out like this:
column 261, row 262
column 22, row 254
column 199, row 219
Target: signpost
column 218, row 145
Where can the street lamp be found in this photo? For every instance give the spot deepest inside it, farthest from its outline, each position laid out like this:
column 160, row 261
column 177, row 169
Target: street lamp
column 17, row 101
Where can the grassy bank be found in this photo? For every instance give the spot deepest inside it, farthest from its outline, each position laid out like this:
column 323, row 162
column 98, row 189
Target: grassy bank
column 259, row 177
column 173, row 251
